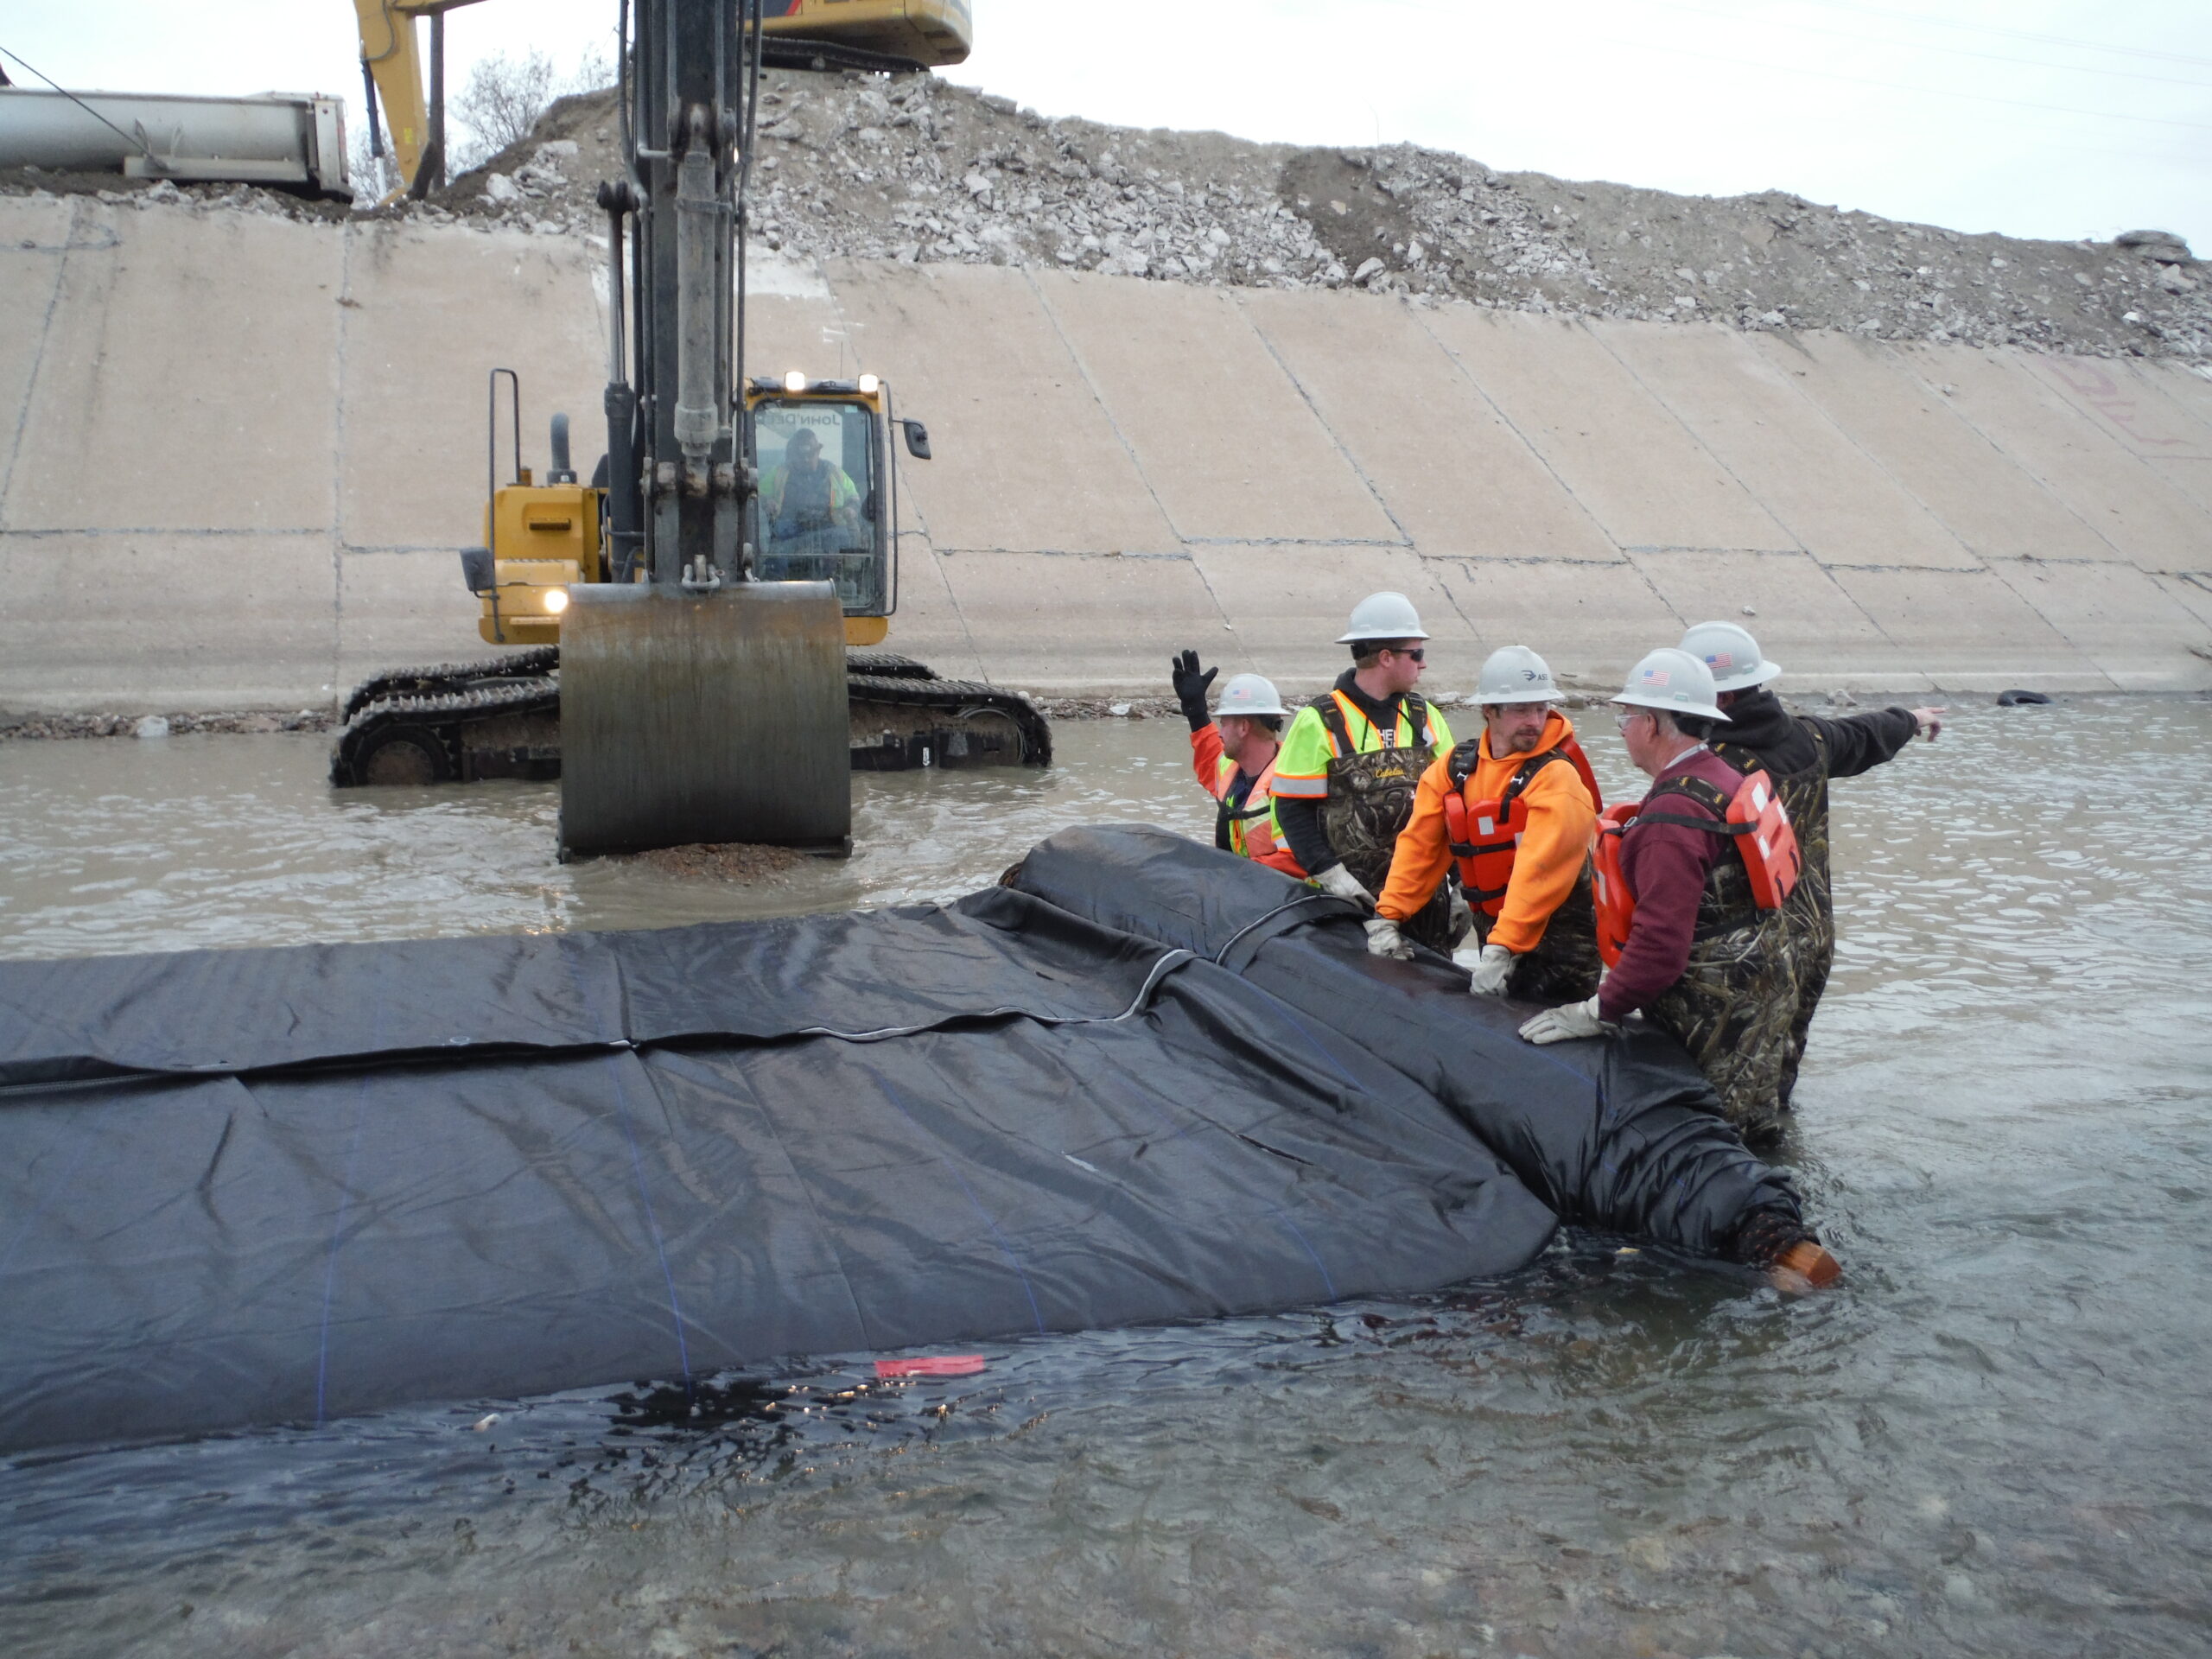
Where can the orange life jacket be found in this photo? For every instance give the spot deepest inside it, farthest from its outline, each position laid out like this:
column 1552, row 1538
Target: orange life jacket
column 1251, row 827
column 1753, row 816
column 1486, row 835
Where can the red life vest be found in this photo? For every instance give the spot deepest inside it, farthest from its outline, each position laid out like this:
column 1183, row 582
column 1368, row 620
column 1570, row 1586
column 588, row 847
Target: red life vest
column 1486, row 835
column 1753, row 816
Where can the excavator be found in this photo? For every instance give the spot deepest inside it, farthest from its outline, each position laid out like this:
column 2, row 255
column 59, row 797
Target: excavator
column 884, row 36
column 691, row 620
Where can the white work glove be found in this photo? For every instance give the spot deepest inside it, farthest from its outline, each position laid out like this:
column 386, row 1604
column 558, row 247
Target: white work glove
column 1340, row 883
column 1383, row 939
column 1491, row 970
column 1564, row 1024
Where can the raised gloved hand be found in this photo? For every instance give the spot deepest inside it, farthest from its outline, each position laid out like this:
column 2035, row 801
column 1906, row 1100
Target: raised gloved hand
column 1340, row 883
column 1191, row 688
column 1491, row 970
column 1564, row 1024
column 1384, row 938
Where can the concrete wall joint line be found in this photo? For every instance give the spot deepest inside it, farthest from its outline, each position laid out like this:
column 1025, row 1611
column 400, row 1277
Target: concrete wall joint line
column 1182, row 558
column 38, row 359
column 337, row 688
column 1880, row 466
column 1421, row 321
column 1650, row 391
column 1350, row 460
column 1106, row 411
column 171, row 532
column 2017, row 463
column 1294, row 541
column 1690, row 432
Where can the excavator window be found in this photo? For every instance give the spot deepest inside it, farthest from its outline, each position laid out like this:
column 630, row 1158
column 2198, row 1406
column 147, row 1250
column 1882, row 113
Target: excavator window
column 819, row 517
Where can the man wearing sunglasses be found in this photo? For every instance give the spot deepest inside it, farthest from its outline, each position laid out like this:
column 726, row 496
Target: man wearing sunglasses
column 1351, row 760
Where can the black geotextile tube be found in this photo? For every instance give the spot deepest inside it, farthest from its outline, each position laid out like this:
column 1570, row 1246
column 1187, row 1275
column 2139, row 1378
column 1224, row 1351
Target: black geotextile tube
column 1621, row 1134
column 251, row 1187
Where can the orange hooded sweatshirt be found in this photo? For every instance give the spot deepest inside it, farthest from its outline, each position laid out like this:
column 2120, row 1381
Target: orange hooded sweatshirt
column 1554, row 848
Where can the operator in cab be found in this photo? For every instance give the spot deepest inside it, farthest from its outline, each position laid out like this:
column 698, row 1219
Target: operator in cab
column 1688, row 889
column 807, row 493
column 1803, row 752
column 1233, row 751
column 1351, row 760
column 1515, row 807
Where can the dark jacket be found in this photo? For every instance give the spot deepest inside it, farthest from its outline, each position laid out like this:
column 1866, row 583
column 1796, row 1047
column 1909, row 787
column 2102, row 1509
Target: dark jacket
column 1757, row 722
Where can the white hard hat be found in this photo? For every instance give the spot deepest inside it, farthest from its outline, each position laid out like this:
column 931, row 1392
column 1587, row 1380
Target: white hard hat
column 1250, row 694
column 1383, row 616
column 1673, row 681
column 1732, row 654
column 1515, row 674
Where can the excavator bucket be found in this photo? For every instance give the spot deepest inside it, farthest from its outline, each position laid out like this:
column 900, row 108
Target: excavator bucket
column 703, row 717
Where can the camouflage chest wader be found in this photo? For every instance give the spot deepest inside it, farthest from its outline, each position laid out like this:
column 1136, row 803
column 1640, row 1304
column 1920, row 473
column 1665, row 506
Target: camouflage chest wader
column 1564, row 966
column 1808, row 914
column 1371, row 800
column 1733, row 1007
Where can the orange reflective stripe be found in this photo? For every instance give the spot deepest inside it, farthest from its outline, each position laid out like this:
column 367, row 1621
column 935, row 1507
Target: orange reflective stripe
column 1251, row 828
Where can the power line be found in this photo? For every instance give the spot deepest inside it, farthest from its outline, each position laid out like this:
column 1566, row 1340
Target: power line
column 1921, row 46
column 2011, row 34
column 1922, row 92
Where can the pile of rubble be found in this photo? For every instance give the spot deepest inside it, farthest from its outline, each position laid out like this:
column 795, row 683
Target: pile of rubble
column 918, row 169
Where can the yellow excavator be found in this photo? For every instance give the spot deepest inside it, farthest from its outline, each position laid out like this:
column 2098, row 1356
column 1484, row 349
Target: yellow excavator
column 685, row 617
column 886, row 36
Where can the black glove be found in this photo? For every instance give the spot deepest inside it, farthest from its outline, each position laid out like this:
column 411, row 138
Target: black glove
column 1190, row 689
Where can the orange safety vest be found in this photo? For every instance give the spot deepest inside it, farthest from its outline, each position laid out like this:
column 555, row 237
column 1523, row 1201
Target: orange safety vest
column 1251, row 827
column 1753, row 816
column 1486, row 835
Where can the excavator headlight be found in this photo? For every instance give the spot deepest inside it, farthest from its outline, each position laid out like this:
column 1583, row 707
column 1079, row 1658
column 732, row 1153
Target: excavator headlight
column 869, row 385
column 795, row 382
column 557, row 601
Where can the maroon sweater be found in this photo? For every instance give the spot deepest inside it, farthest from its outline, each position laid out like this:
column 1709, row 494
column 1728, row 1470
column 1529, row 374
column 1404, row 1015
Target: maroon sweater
column 1665, row 866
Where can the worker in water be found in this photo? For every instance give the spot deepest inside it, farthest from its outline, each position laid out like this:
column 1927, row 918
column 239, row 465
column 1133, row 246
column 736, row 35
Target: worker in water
column 1233, row 751
column 1349, row 764
column 1514, row 806
column 806, row 493
column 1801, row 752
column 1688, row 919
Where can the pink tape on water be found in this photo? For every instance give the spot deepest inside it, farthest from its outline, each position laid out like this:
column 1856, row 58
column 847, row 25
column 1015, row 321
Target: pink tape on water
column 934, row 1365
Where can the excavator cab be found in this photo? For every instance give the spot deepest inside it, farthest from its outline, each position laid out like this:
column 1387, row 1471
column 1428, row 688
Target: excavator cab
column 827, row 505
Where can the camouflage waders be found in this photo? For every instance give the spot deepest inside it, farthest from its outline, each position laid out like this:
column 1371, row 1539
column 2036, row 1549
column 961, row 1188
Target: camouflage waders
column 1809, row 913
column 1371, row 800
column 1734, row 1007
column 1564, row 966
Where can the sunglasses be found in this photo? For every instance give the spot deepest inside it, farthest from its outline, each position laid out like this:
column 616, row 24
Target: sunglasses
column 1419, row 653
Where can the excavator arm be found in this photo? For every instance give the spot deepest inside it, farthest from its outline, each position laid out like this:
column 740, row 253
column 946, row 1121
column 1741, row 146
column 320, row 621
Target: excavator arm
column 392, row 64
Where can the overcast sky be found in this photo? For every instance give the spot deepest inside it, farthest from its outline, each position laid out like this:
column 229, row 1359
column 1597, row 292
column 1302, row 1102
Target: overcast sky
column 2039, row 117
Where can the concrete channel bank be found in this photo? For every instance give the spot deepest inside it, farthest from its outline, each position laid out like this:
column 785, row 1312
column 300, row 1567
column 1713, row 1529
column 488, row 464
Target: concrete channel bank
column 237, row 453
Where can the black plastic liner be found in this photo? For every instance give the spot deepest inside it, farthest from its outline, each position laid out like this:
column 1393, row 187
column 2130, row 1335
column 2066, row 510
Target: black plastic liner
column 247, row 1187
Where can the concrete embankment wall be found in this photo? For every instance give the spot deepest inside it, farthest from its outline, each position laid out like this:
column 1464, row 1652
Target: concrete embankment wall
column 240, row 452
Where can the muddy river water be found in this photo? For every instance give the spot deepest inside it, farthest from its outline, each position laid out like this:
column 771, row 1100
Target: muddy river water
column 1992, row 1440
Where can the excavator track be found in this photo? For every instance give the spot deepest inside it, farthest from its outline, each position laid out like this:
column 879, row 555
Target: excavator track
column 463, row 722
